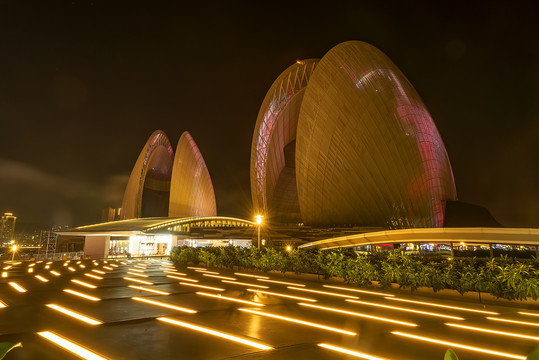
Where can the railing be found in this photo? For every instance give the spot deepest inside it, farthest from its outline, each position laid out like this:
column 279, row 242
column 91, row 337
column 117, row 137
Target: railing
column 77, row 255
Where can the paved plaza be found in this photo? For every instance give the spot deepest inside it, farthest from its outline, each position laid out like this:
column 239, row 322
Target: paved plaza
column 155, row 310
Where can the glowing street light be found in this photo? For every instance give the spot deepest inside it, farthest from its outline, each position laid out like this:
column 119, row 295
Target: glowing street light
column 259, row 222
column 13, row 249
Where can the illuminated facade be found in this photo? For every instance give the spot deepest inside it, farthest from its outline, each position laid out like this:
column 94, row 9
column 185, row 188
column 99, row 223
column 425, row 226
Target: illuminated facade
column 162, row 184
column 347, row 140
column 7, row 227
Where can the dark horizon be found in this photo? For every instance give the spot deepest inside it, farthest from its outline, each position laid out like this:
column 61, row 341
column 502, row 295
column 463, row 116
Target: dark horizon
column 83, row 84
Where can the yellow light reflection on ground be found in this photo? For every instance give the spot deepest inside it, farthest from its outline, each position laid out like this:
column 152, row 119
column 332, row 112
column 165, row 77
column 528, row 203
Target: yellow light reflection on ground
column 99, row 272
column 138, row 281
column 7, row 267
column 70, row 268
column 245, row 284
column 108, row 268
column 82, row 266
column 353, row 313
column 136, row 270
column 74, row 314
column 528, row 313
column 114, row 265
column 149, row 290
column 216, row 333
column 208, row 272
column 513, row 321
column 79, row 294
column 282, row 295
column 308, row 323
column 48, row 263
column 405, row 309
column 181, row 278
column 82, row 283
column 202, row 286
column 457, row 345
column 165, row 305
column 31, row 265
column 71, row 346
column 17, row 287
column 251, row 275
column 137, row 274
column 356, row 290
column 55, row 273
column 323, row 292
column 93, row 276
column 219, row 277
column 41, row 278
column 219, row 296
column 491, row 331
column 2, row 304
column 443, row 306
column 196, row 268
column 349, row 352
column 175, row 273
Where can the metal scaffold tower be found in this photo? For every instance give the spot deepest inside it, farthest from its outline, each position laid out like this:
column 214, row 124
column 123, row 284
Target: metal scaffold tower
column 48, row 241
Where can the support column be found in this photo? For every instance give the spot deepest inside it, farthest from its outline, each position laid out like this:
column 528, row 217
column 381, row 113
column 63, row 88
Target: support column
column 491, row 250
column 452, row 251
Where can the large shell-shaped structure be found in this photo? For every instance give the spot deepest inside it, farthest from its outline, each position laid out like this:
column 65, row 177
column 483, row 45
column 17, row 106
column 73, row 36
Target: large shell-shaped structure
column 191, row 189
column 163, row 184
column 147, row 190
column 366, row 150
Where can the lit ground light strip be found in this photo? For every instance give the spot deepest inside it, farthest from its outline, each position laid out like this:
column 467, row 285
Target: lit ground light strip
column 41, row 278
column 71, row 269
column 307, row 323
column 216, row 333
column 349, row 352
column 136, row 270
column 140, row 267
column 137, row 274
column 253, row 276
column 219, row 277
column 47, row 266
column 341, row 311
column 114, row 265
column 356, row 290
column 34, row 264
column 165, row 305
column 149, row 290
column 70, row 346
column 513, row 321
column 4, row 274
column 74, row 314
column 17, row 286
column 282, row 295
column 79, row 294
column 444, row 306
column 31, row 270
column 7, row 267
column 55, row 273
column 82, row 283
column 138, row 281
column 196, row 268
column 406, row 309
column 494, row 331
column 16, row 263
column 99, row 272
column 175, row 273
column 181, row 278
column 457, row 345
column 108, row 268
column 323, row 292
column 202, row 286
column 280, row 282
column 527, row 313
column 245, row 284
column 208, row 272
column 218, row 296
column 82, row 266
column 93, row 276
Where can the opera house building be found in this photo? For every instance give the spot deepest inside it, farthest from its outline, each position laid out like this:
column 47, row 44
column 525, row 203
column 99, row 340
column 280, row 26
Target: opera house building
column 343, row 148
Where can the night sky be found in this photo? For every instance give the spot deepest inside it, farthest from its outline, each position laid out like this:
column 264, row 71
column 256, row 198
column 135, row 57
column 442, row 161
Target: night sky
column 83, row 84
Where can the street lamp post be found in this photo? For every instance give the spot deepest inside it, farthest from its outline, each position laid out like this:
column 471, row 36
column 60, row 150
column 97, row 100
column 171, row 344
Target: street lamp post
column 259, row 222
column 13, row 249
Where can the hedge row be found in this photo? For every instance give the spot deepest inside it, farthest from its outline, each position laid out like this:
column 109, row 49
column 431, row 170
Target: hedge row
column 502, row 277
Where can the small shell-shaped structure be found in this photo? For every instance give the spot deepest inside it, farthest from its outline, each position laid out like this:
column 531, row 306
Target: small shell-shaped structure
column 191, row 188
column 146, row 193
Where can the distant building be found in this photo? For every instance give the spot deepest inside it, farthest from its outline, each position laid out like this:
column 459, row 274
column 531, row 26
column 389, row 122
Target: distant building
column 7, row 227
